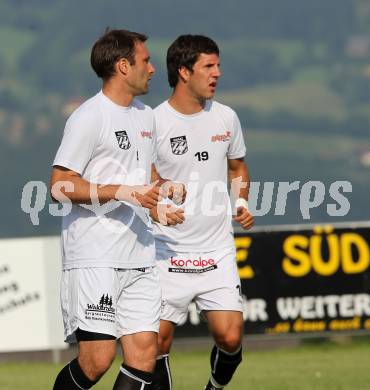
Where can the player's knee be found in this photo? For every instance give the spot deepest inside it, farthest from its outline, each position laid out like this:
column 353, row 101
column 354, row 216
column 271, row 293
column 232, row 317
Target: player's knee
column 100, row 365
column 144, row 359
column 229, row 341
column 96, row 365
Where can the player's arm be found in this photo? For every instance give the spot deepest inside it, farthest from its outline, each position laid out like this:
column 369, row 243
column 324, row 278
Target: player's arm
column 67, row 185
column 81, row 136
column 239, row 183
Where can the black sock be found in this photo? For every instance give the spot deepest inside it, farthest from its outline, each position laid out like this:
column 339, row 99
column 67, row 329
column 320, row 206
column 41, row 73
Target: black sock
column 162, row 379
column 132, row 379
column 71, row 377
column 223, row 365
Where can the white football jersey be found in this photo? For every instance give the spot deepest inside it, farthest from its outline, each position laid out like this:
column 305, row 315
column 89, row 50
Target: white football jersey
column 194, row 149
column 108, row 144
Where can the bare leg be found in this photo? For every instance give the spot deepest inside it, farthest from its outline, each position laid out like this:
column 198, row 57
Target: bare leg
column 139, row 351
column 94, row 359
column 226, row 328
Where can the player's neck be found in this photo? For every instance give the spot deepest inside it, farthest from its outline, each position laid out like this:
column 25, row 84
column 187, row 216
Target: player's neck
column 186, row 103
column 117, row 93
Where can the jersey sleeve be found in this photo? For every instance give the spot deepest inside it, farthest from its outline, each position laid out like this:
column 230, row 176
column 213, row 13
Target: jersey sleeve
column 79, row 140
column 237, row 147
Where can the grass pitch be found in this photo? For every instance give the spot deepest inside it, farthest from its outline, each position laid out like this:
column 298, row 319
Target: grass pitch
column 312, row 367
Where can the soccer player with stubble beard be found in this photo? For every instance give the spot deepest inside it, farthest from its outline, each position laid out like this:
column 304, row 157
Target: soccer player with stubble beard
column 110, row 288
column 200, row 143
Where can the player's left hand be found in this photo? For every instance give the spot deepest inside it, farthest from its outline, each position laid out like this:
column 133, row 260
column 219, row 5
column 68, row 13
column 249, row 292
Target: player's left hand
column 244, row 218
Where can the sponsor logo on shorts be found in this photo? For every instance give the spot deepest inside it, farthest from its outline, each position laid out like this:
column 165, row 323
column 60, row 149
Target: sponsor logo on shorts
column 192, row 266
column 103, row 311
column 192, row 270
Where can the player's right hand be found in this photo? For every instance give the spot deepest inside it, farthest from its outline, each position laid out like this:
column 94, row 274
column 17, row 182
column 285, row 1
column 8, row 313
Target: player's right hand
column 146, row 196
column 167, row 215
column 244, row 218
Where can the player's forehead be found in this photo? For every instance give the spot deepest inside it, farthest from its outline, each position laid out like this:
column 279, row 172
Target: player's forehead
column 205, row 58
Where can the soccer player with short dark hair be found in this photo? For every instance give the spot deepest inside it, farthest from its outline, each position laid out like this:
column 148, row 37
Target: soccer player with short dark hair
column 110, row 288
column 200, row 143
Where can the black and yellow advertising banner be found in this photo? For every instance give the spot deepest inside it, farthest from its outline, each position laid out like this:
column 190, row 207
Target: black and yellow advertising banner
column 301, row 281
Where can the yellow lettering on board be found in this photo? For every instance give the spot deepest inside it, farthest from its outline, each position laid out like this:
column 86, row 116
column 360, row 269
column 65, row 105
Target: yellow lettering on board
column 351, row 266
column 242, row 245
column 280, row 327
column 367, row 324
column 297, row 261
column 308, row 326
column 350, row 324
column 321, row 266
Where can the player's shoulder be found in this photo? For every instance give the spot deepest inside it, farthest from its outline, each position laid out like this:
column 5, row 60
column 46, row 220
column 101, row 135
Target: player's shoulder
column 142, row 109
column 161, row 108
column 163, row 115
column 217, row 107
column 89, row 111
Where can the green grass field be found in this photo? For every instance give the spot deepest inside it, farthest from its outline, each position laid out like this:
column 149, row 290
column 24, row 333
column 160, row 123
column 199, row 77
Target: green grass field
column 312, row 367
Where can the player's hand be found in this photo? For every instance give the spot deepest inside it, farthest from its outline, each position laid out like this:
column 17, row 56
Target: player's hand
column 146, row 196
column 174, row 191
column 167, row 215
column 244, row 218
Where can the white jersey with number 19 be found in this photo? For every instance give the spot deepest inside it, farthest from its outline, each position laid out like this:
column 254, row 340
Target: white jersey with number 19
column 194, row 149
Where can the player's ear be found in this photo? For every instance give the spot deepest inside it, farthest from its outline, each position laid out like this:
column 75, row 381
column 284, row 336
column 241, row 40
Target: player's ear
column 184, row 73
column 122, row 66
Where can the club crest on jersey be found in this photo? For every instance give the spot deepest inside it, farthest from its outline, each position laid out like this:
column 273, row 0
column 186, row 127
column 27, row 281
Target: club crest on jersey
column 123, row 140
column 179, row 145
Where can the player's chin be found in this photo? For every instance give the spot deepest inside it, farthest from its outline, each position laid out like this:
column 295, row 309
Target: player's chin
column 143, row 90
column 209, row 95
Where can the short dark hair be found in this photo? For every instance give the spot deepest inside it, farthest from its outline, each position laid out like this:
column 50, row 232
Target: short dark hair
column 111, row 47
column 184, row 51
